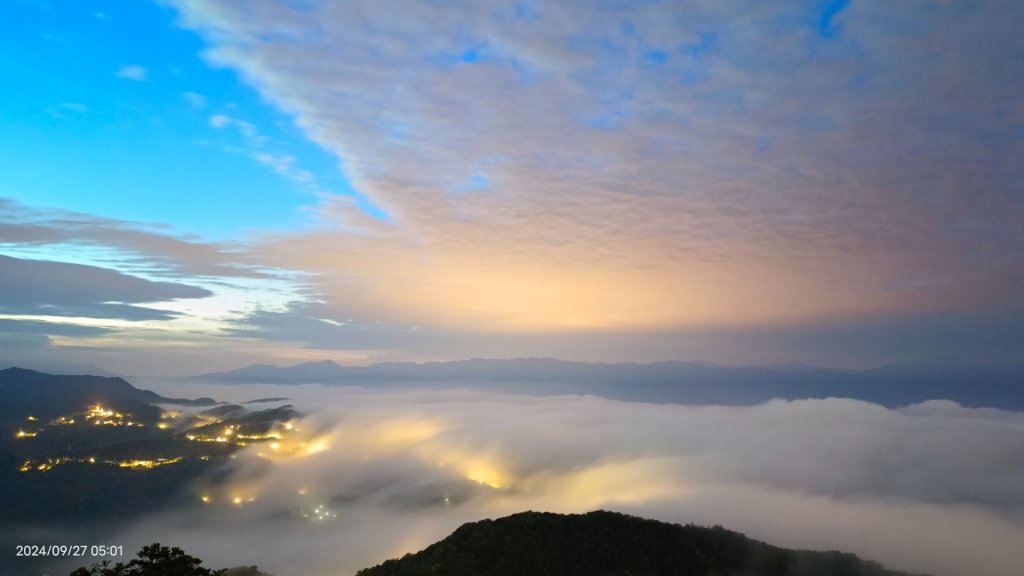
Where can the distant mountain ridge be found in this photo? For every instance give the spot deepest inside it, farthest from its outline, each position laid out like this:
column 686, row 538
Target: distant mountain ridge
column 611, row 544
column 60, row 368
column 672, row 381
column 328, row 371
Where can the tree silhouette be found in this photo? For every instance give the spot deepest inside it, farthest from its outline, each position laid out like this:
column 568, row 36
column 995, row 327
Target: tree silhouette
column 153, row 560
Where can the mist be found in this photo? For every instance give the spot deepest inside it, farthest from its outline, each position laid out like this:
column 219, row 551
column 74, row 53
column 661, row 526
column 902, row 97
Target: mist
column 368, row 475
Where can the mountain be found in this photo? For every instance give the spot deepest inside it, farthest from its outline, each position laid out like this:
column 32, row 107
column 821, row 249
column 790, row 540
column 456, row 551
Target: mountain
column 670, row 382
column 611, row 544
column 307, row 372
column 328, row 371
column 89, row 453
column 65, row 368
column 44, row 395
column 94, row 447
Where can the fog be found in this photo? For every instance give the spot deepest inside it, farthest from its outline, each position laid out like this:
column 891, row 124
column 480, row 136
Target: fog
column 368, row 475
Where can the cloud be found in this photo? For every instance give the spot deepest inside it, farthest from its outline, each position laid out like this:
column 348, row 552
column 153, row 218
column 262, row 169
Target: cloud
column 200, row 285
column 220, row 121
column 194, row 99
column 17, row 328
column 59, row 111
column 28, row 344
column 73, row 106
column 316, row 326
column 755, row 173
column 150, row 249
column 583, row 175
column 941, row 338
column 34, row 287
column 133, row 72
column 401, row 469
column 265, row 151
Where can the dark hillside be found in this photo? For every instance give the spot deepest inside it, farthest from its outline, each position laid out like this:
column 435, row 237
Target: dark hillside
column 611, row 544
column 48, row 395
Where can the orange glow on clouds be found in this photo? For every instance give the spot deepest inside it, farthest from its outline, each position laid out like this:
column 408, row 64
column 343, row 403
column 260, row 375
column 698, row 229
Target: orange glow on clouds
column 494, row 287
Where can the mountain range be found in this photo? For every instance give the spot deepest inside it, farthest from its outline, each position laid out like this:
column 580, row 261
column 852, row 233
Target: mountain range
column 996, row 386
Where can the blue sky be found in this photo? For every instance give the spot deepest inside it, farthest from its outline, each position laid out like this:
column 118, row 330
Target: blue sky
column 109, row 108
column 831, row 182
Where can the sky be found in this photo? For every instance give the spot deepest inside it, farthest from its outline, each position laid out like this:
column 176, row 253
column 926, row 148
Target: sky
column 195, row 185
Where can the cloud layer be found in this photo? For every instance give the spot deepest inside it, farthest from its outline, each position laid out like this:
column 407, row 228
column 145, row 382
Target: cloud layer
column 37, row 287
column 831, row 183
column 933, row 487
column 101, row 275
column 152, row 249
column 580, row 166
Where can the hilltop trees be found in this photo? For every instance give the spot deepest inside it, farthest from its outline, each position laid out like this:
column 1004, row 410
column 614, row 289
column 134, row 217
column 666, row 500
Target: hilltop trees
column 611, row 544
column 152, row 560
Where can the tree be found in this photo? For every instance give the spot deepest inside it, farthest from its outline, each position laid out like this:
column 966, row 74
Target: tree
column 153, row 560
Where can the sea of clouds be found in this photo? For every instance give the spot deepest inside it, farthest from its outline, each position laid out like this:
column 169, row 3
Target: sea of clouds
column 368, row 475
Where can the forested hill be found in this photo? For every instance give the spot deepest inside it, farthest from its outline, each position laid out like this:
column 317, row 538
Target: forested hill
column 612, row 544
column 29, row 392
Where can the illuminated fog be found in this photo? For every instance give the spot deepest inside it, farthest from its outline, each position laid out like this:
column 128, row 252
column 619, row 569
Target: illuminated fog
column 371, row 475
